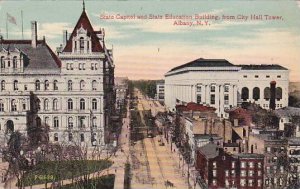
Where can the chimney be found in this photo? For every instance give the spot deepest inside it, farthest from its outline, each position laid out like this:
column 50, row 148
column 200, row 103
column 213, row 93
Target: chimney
column 65, row 37
column 33, row 34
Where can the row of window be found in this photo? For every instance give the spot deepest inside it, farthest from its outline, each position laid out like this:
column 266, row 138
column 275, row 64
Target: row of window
column 70, row 137
column 212, row 88
column 13, row 104
column 81, row 66
column 243, row 182
column 243, row 164
column 14, row 62
column 81, row 122
column 82, row 85
column 257, row 76
column 213, row 99
column 256, row 93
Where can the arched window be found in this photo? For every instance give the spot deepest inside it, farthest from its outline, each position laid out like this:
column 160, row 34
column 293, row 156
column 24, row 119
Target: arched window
column 94, row 85
column 278, row 93
column 267, row 93
column 2, row 62
column 55, row 104
column 94, row 122
column 81, row 44
column 38, row 104
column 37, row 85
column 70, row 104
column 38, row 122
column 15, row 85
column 245, row 93
column 47, row 121
column 15, row 63
column 70, row 137
column 70, row 122
column 46, row 104
column 56, row 137
column 13, row 105
column 55, row 122
column 1, row 106
column 55, row 86
column 94, row 104
column 2, row 85
column 82, row 104
column 82, row 85
column 256, row 93
column 70, row 85
column 46, row 85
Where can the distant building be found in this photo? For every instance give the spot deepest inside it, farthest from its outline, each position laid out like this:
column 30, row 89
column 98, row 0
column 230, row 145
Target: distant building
column 286, row 116
column 160, row 90
column 222, row 170
column 223, row 85
column 121, row 89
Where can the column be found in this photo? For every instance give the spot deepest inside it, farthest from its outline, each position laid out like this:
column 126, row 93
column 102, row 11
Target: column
column 234, row 96
column 221, row 105
column 207, row 92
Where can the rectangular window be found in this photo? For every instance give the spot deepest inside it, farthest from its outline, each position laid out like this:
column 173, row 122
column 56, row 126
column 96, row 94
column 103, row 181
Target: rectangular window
column 279, row 76
column 199, row 89
column 243, row 182
column 245, row 76
column 243, row 164
column 212, row 99
column 213, row 88
column 251, row 173
column 226, row 99
column 199, row 99
column 256, row 76
column 226, row 173
column 92, row 66
column 232, row 164
column 243, row 173
column 214, row 173
column 226, row 88
column 267, row 76
column 214, row 165
column 251, row 164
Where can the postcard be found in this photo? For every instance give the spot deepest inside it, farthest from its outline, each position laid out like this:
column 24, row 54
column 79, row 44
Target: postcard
column 149, row 94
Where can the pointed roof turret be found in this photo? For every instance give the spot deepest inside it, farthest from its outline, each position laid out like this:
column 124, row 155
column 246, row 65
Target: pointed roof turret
column 84, row 22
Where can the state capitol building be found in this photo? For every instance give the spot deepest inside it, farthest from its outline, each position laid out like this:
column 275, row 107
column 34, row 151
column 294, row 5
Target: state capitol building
column 70, row 91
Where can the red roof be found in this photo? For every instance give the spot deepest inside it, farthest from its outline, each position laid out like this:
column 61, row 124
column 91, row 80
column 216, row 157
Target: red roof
column 86, row 24
column 192, row 106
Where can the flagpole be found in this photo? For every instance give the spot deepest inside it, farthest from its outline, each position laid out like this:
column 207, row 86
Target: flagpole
column 22, row 24
column 6, row 27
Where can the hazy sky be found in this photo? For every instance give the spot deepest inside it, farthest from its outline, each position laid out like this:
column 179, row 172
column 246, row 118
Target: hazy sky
column 149, row 48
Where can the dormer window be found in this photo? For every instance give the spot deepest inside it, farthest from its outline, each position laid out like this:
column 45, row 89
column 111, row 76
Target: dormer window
column 81, row 42
column 15, row 64
column 2, row 62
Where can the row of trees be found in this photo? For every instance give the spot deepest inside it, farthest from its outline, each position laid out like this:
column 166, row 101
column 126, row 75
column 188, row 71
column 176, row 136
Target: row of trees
column 147, row 87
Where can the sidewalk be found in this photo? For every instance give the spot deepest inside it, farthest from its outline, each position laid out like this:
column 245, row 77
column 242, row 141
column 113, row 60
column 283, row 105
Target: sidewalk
column 177, row 156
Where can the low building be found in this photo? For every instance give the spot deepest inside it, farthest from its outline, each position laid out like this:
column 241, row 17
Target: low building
column 222, row 170
column 274, row 147
column 287, row 121
column 293, row 153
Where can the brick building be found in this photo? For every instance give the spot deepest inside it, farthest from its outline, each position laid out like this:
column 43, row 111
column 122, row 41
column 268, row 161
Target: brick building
column 222, row 170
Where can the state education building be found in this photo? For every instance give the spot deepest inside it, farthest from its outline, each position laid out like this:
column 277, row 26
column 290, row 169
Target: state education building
column 70, row 91
column 223, row 85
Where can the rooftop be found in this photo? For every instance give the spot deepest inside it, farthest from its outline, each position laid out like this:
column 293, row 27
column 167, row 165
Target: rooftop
column 201, row 62
column 287, row 111
column 248, row 155
column 210, row 150
column 39, row 58
column 262, row 67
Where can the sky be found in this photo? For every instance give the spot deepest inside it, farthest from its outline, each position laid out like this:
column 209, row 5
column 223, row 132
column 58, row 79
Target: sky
column 148, row 48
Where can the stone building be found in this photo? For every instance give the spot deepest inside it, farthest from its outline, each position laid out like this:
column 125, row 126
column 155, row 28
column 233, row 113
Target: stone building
column 70, row 92
column 223, row 85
